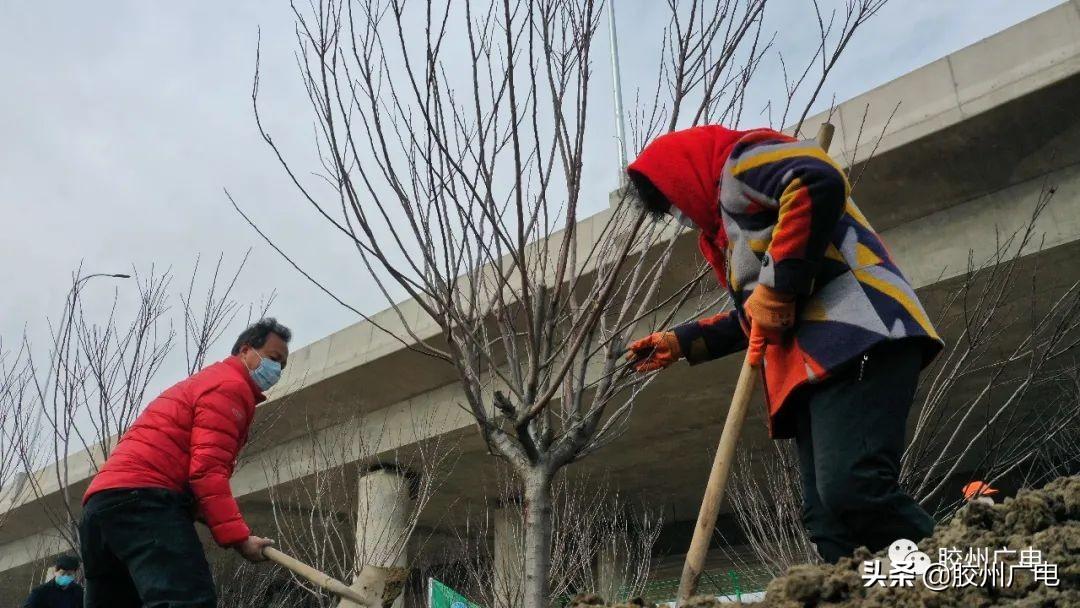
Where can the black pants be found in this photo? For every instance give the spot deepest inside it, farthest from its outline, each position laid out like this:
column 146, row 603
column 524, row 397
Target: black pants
column 850, row 436
column 139, row 548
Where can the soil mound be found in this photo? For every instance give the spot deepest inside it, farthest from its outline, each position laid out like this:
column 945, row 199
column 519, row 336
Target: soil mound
column 1046, row 521
column 987, row 556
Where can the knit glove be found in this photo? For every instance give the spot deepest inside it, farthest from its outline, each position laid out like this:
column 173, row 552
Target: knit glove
column 771, row 314
column 654, row 351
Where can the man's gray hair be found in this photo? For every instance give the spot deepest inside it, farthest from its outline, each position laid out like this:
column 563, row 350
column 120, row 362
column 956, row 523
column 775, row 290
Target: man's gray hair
column 255, row 336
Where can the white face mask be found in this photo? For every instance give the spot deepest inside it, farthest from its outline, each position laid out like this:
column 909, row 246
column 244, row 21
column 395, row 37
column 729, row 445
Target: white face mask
column 680, row 217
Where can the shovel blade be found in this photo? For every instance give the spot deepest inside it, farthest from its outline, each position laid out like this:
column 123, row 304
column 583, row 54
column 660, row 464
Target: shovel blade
column 379, row 585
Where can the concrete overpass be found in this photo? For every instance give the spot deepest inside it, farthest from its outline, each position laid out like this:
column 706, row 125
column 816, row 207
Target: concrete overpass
column 976, row 137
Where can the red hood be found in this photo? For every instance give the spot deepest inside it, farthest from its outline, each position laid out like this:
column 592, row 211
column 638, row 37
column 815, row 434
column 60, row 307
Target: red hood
column 686, row 167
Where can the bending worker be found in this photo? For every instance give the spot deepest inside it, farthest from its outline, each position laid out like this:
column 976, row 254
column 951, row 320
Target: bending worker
column 137, row 534
column 839, row 333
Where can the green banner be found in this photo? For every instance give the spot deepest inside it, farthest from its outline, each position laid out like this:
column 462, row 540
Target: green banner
column 441, row 596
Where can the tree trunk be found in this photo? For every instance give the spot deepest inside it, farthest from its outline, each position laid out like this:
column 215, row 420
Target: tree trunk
column 537, row 538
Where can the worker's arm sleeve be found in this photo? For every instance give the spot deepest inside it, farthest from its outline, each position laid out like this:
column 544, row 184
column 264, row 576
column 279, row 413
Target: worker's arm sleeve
column 808, row 192
column 217, row 433
column 34, row 600
column 710, row 338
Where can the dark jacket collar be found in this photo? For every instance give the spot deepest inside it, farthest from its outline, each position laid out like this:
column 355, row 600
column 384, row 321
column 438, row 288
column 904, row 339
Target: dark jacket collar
column 72, row 587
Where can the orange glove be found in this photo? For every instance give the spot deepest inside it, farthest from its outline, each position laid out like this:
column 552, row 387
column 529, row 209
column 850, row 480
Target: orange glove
column 654, row 351
column 771, row 314
column 756, row 351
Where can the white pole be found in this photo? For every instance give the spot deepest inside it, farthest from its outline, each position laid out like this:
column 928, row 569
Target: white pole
column 620, row 123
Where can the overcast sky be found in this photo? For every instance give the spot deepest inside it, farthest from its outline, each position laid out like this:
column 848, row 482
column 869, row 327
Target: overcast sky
column 122, row 122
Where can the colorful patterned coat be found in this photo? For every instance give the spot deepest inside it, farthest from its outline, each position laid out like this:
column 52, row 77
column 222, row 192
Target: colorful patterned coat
column 786, row 220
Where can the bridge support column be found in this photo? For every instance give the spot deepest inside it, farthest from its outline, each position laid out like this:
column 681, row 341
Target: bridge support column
column 383, row 509
column 508, row 558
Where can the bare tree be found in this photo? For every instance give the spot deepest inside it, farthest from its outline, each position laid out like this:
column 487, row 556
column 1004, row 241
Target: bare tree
column 242, row 584
column 206, row 320
column 1059, row 455
column 86, row 389
column 322, row 519
column 1004, row 389
column 601, row 543
column 766, row 498
column 82, row 394
column 11, row 475
column 318, row 516
column 451, row 143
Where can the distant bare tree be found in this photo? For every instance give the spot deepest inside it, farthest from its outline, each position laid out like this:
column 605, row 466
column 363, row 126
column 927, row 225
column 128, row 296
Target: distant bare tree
column 241, row 584
column 321, row 517
column 316, row 515
column 11, row 382
column 601, row 544
column 1059, row 456
column 452, row 142
column 80, row 396
column 206, row 320
column 86, row 389
column 994, row 403
column 766, row 498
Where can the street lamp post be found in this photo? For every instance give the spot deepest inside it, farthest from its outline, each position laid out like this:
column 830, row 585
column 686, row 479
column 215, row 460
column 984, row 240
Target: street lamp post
column 616, row 83
column 73, row 293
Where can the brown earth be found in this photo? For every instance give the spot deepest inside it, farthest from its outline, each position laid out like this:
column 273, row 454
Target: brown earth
column 1047, row 520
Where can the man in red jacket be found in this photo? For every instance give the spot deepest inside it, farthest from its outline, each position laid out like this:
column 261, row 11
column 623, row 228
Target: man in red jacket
column 137, row 535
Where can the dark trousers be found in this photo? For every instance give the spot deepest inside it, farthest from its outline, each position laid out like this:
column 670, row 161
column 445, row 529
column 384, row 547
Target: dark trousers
column 850, row 436
column 139, row 548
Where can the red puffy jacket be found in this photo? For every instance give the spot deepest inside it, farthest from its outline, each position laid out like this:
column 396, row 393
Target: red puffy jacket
column 187, row 441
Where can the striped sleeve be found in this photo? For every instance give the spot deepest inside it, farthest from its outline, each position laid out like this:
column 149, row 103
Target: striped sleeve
column 808, row 192
column 710, row 338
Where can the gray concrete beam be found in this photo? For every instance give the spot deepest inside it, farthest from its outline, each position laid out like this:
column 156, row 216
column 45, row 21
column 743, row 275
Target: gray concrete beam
column 1010, row 64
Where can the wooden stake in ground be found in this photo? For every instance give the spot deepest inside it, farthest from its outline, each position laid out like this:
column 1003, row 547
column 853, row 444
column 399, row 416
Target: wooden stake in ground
column 725, row 455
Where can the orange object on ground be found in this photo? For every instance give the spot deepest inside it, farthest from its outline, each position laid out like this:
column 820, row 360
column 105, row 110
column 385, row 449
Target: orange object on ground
column 976, row 489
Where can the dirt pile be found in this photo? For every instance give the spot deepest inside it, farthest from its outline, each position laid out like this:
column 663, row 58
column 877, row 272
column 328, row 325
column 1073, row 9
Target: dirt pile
column 994, row 555
column 1046, row 520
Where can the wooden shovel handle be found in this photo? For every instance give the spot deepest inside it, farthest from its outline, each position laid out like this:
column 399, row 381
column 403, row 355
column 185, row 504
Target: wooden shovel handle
column 718, row 476
column 317, row 578
column 725, row 455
